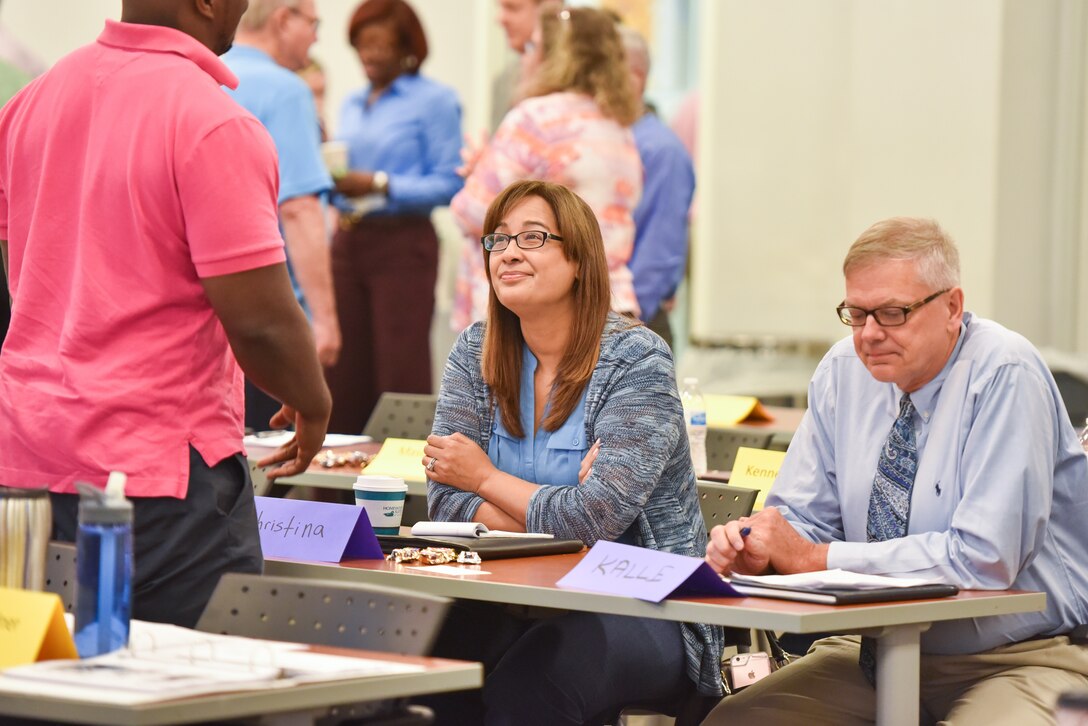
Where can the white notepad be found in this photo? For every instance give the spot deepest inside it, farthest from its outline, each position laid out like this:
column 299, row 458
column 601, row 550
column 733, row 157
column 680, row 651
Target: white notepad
column 475, row 530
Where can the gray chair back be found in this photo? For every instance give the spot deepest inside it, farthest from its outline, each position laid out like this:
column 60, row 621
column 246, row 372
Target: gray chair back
column 60, row 573
column 721, row 503
column 722, row 445
column 401, row 416
column 261, row 485
column 320, row 612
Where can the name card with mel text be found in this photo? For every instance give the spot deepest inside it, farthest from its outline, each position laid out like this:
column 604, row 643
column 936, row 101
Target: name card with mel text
column 315, row 531
column 756, row 469
column 32, row 628
column 400, row 458
column 619, row 569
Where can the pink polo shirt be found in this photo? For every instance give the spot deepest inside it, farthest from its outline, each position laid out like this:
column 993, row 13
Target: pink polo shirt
column 126, row 175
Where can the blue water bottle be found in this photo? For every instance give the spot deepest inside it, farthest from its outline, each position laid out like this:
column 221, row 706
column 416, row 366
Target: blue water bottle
column 104, row 568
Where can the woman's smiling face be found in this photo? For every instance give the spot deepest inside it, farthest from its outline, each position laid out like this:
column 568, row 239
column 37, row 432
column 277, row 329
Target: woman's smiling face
column 535, row 280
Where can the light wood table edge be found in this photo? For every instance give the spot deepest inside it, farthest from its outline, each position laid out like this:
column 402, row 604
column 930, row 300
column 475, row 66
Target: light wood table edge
column 450, row 676
column 760, row 613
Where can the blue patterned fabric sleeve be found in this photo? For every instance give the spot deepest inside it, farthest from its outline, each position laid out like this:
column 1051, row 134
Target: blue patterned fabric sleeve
column 634, row 410
column 459, row 409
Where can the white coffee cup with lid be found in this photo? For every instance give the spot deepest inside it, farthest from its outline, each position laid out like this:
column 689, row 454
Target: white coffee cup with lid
column 335, row 156
column 383, row 499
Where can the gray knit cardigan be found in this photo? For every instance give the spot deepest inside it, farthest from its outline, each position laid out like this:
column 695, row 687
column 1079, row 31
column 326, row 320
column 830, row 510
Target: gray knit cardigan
column 643, row 474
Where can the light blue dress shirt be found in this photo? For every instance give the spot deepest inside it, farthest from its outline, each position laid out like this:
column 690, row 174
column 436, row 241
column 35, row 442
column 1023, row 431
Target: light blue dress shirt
column 412, row 132
column 661, row 217
column 1000, row 499
column 548, row 458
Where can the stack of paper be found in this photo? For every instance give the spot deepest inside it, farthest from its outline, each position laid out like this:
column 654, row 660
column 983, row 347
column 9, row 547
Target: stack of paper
column 165, row 662
column 468, row 529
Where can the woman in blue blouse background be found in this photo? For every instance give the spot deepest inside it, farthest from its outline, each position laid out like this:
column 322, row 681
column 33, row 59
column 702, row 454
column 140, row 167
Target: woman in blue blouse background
column 403, row 133
column 558, row 416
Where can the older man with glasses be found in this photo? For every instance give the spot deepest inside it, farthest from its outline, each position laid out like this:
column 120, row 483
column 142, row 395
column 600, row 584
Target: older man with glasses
column 273, row 42
column 936, row 446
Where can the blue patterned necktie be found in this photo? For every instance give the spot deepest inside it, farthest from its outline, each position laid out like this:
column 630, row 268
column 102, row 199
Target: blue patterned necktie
column 889, row 503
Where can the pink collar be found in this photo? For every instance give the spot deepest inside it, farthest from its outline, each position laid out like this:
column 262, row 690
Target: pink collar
column 157, row 38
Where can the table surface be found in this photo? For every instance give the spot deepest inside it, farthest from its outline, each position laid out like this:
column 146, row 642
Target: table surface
column 439, row 675
column 786, row 420
column 531, row 581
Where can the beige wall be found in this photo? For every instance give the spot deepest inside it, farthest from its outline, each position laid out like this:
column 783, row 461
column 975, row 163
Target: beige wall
column 820, row 118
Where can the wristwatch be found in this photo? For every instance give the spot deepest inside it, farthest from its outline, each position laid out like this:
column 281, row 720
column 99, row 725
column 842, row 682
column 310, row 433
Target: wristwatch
column 380, row 183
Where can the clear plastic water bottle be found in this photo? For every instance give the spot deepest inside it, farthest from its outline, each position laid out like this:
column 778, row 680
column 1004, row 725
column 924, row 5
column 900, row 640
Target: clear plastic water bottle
column 695, row 419
column 104, row 568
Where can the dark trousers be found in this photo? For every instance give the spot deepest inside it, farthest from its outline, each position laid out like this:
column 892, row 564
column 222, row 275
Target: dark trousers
column 384, row 272
column 660, row 325
column 5, row 307
column 182, row 546
column 260, row 407
column 574, row 668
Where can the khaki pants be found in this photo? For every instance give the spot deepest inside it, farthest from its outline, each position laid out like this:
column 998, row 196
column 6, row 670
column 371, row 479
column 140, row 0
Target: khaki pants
column 1014, row 684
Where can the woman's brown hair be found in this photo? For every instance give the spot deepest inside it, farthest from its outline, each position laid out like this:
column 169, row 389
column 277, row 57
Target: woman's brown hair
column 582, row 51
column 412, row 38
column 503, row 341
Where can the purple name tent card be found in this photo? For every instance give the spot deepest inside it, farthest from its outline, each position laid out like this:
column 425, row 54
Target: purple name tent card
column 315, row 531
column 619, row 569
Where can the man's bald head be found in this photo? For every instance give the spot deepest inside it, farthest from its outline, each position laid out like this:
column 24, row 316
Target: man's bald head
column 211, row 22
column 637, row 53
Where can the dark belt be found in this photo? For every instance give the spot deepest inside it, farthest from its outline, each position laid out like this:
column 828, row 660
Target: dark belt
column 351, row 220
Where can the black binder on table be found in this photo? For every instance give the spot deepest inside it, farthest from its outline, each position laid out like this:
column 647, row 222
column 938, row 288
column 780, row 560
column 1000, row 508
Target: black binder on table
column 828, row 596
column 489, row 548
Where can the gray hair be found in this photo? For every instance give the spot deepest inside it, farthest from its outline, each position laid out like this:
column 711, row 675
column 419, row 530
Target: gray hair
column 635, row 48
column 909, row 238
column 260, row 11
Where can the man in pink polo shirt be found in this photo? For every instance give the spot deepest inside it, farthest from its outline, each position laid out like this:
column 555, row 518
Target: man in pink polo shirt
column 138, row 228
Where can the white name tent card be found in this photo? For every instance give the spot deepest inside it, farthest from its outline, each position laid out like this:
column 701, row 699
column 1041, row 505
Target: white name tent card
column 315, row 531
column 619, row 569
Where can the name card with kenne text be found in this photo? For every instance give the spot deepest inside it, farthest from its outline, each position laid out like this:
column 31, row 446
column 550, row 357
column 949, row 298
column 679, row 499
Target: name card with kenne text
column 756, row 469
column 315, row 531
column 32, row 628
column 619, row 569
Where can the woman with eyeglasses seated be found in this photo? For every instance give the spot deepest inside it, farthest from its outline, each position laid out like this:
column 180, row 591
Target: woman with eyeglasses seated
column 558, row 416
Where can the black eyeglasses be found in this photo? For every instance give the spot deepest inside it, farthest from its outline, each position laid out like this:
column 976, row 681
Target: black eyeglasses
column 889, row 317
column 314, row 22
column 528, row 240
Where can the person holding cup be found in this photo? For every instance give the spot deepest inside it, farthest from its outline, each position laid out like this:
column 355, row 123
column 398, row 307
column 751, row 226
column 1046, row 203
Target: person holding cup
column 403, row 137
column 558, row 416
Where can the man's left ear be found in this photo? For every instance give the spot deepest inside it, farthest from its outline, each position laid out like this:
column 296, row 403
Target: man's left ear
column 205, row 8
column 955, row 304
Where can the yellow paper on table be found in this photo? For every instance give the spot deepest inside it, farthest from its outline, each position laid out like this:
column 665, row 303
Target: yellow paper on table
column 32, row 628
column 401, row 458
column 723, row 411
column 756, row 469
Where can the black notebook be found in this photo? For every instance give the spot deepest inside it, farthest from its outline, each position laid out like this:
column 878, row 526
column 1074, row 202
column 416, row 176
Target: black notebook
column 489, row 548
column 834, row 596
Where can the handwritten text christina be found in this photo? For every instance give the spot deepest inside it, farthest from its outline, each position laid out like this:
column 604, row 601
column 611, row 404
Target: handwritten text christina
column 290, row 528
